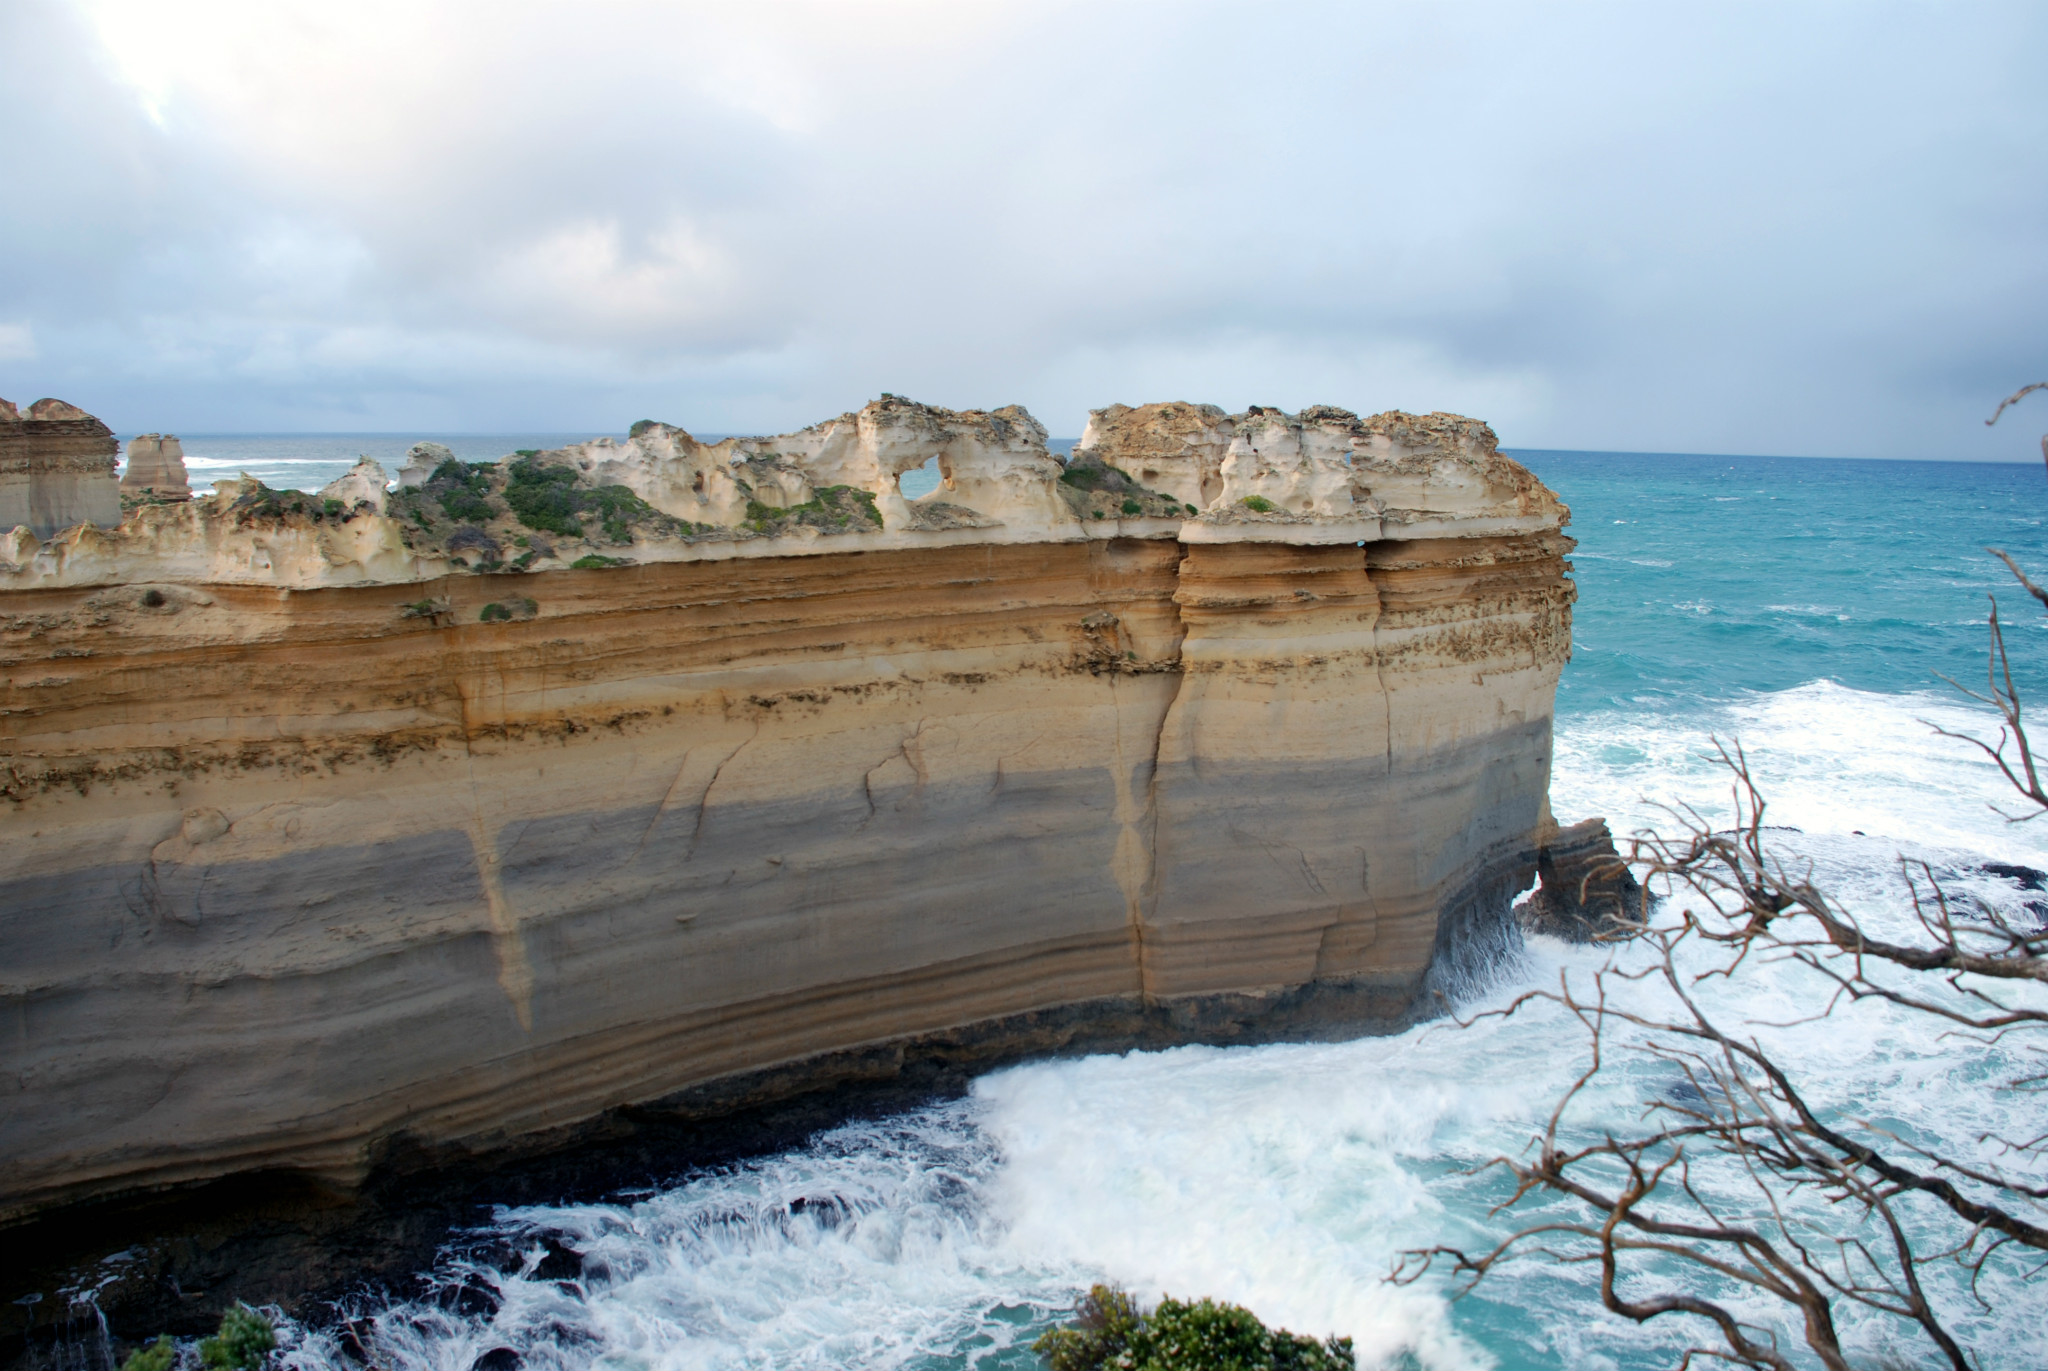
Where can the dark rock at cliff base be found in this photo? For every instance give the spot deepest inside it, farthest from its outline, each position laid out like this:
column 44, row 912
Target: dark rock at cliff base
column 558, row 1263
column 1586, row 893
column 2025, row 877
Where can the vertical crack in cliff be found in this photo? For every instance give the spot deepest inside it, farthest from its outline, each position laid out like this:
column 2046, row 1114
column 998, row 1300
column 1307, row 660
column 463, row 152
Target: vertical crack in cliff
column 1379, row 677
column 667, row 798
column 1136, row 862
column 515, row 972
column 508, row 943
column 704, row 800
column 1288, row 859
column 903, row 754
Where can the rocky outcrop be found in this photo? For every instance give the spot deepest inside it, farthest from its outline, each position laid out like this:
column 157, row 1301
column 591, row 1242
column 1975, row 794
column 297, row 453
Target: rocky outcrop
column 571, row 782
column 422, row 460
column 156, row 467
column 362, row 487
column 1586, row 892
column 56, row 469
column 1325, row 470
column 1185, row 472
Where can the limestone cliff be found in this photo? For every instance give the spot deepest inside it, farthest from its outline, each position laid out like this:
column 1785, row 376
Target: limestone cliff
column 529, row 791
column 156, row 468
column 56, row 469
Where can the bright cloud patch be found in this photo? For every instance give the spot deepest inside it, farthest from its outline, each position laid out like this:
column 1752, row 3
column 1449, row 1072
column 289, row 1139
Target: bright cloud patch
column 1643, row 227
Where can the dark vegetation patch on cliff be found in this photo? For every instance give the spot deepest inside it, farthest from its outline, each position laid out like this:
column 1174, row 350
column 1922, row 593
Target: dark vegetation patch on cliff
column 261, row 504
column 834, row 509
column 1094, row 489
column 480, row 514
column 523, row 608
column 551, row 499
column 463, row 490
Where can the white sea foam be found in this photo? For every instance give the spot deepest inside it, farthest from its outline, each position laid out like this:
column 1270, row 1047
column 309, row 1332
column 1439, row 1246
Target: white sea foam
column 213, row 463
column 1287, row 1178
column 1830, row 760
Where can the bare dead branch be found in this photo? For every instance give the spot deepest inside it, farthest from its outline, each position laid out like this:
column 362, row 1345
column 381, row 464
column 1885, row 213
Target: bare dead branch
column 2022, row 393
column 1805, row 1205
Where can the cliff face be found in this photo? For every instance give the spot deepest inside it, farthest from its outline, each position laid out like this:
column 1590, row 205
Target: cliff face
column 351, row 840
column 56, row 469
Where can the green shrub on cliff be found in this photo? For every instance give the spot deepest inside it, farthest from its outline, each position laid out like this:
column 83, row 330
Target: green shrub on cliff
column 547, row 497
column 1258, row 504
column 463, row 490
column 831, row 509
column 1111, row 1333
column 619, row 509
column 544, row 497
column 244, row 1340
column 495, row 613
column 160, row 1355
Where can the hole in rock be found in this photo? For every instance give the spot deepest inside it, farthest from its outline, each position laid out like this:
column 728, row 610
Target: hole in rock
column 922, row 481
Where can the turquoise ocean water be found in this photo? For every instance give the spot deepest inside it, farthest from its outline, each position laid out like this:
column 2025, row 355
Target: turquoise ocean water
column 1806, row 607
column 1705, row 577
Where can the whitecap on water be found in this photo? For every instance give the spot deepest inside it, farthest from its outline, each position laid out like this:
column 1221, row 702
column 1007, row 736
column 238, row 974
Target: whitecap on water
column 1287, row 1178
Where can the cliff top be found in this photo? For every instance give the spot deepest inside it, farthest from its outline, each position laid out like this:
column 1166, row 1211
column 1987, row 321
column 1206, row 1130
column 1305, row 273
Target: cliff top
column 1173, row 470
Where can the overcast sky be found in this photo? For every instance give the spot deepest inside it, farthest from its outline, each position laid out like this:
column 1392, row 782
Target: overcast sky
column 1767, row 228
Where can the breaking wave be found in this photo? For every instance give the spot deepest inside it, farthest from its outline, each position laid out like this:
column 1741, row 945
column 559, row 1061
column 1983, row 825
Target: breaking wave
column 1287, row 1178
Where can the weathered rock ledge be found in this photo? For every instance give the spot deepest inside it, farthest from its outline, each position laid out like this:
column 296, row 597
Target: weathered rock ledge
column 330, row 831
column 1185, row 472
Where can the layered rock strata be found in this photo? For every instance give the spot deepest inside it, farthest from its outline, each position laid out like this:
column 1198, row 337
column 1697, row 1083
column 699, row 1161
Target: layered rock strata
column 156, row 466
column 56, row 469
column 331, row 822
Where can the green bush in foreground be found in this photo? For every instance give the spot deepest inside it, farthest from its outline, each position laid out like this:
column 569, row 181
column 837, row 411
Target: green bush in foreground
column 1111, row 1333
column 160, row 1355
column 244, row 1340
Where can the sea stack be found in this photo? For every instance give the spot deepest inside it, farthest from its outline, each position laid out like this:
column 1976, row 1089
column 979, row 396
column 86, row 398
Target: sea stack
column 1586, row 892
column 56, row 469
column 156, row 466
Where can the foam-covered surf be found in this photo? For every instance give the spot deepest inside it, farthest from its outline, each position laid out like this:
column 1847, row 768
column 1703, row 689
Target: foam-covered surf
column 1289, row 1178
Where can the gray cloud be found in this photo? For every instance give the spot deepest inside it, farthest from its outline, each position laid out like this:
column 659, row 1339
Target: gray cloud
column 1816, row 229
